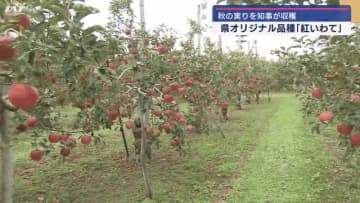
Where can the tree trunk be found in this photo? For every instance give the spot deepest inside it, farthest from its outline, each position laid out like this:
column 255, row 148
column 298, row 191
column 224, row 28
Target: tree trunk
column 7, row 176
column 143, row 110
column 124, row 139
column 142, row 15
column 199, row 34
column 145, row 106
column 239, row 101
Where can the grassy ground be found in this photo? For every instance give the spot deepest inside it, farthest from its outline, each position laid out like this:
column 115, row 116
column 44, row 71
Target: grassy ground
column 268, row 155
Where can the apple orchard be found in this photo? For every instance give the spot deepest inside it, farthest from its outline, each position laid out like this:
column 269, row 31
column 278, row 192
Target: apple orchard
column 134, row 82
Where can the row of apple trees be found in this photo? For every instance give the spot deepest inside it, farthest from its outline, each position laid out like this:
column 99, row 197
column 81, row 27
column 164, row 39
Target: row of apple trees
column 326, row 74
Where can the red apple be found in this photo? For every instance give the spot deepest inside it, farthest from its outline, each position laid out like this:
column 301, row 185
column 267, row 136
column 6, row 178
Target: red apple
column 181, row 120
column 188, row 83
column 112, row 115
column 23, row 96
column 65, row 137
column 355, row 139
column 85, row 139
column 166, row 126
column 36, row 155
column 175, row 86
column 174, row 59
column 24, row 20
column 355, row 98
column 83, row 76
column 167, row 98
column 326, row 116
column 161, row 49
column 157, row 112
column 166, row 90
column 21, row 128
column 180, row 91
column 344, row 129
column 129, row 124
column 6, row 52
column 151, row 91
column 168, row 113
column 31, row 121
column 112, row 66
column 54, row 137
column 189, row 128
column 317, row 93
column 127, row 31
column 65, row 152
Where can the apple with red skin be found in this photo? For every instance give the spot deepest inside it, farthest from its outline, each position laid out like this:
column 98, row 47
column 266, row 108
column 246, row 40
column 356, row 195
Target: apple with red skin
column 65, row 137
column 179, row 115
column 54, row 137
column 344, row 129
column 21, row 128
column 24, row 20
column 36, row 155
column 157, row 112
column 174, row 59
column 112, row 66
column 23, row 96
column 6, row 51
column 355, row 139
column 188, row 83
column 151, row 91
column 127, row 31
column 166, row 90
column 181, row 120
column 161, row 49
column 173, row 142
column 31, row 121
column 317, row 93
column 168, row 113
column 189, row 128
column 175, row 86
column 166, row 126
column 83, row 76
column 167, row 98
column 355, row 98
column 65, row 151
column 326, row 116
column 112, row 115
column 129, row 124
column 225, row 104
column 180, row 91
column 85, row 139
